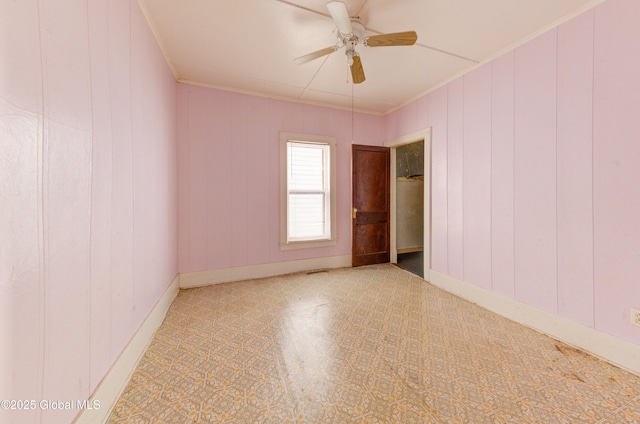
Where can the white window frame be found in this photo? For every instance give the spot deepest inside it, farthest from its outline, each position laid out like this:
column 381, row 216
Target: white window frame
column 285, row 243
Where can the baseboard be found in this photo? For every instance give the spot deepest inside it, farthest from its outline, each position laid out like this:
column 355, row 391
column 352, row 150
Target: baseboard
column 225, row 275
column 604, row 346
column 112, row 385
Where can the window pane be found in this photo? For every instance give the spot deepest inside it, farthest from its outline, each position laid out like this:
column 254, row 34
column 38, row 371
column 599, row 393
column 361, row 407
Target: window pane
column 306, row 166
column 307, row 177
column 306, row 215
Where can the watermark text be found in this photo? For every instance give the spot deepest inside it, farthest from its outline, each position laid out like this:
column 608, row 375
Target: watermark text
column 47, row 404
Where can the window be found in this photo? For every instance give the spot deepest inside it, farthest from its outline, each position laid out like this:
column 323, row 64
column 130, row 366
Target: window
column 307, row 177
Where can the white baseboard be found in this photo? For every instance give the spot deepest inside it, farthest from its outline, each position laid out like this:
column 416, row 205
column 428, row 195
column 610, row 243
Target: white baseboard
column 604, row 346
column 225, row 275
column 112, row 385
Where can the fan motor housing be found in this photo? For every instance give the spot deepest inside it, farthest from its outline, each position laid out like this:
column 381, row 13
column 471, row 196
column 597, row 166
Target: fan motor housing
column 358, row 32
column 350, row 41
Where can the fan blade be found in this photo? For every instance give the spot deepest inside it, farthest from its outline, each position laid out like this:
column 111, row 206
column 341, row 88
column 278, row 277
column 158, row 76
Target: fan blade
column 340, row 15
column 357, row 73
column 407, row 38
column 309, row 57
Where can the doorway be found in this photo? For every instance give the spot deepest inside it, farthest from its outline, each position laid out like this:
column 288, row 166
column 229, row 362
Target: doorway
column 410, row 216
column 410, row 207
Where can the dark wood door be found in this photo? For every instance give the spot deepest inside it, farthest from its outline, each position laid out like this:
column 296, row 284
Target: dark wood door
column 370, row 202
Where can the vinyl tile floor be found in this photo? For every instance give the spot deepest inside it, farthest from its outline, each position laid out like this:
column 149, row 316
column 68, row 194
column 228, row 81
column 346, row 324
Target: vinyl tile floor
column 374, row 344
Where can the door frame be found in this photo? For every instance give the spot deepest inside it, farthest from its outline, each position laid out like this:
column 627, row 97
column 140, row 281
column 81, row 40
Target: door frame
column 424, row 134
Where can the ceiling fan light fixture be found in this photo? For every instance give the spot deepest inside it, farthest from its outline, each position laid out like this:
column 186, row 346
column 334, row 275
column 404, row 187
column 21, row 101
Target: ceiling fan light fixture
column 351, row 33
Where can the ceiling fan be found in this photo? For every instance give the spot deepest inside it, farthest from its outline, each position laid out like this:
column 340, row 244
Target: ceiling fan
column 350, row 34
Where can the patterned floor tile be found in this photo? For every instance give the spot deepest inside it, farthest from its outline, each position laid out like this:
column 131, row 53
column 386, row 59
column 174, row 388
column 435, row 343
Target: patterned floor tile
column 446, row 408
column 530, row 411
column 629, row 414
column 372, row 344
column 578, row 400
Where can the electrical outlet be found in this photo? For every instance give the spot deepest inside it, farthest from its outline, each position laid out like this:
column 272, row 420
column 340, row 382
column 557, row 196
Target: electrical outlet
column 635, row 317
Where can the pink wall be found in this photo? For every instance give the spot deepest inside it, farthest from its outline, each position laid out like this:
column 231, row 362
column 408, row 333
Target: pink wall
column 88, row 188
column 229, row 175
column 535, row 170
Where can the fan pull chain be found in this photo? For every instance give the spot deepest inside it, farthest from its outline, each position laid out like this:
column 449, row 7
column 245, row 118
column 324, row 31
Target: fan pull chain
column 352, row 113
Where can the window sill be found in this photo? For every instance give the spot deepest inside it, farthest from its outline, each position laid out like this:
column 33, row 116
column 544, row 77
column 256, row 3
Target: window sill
column 306, row 244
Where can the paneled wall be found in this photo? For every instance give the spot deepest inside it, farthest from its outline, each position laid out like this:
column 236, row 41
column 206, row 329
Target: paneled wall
column 88, row 194
column 536, row 164
column 229, row 175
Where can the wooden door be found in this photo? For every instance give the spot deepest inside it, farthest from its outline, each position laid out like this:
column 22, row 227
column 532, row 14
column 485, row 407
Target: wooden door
column 370, row 205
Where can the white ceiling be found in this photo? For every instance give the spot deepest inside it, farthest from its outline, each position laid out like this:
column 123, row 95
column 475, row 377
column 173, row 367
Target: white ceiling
column 249, row 45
